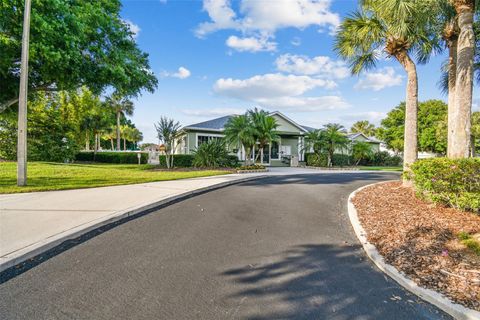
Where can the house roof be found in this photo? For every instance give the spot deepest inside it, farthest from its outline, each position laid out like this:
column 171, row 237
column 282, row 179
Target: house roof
column 218, row 124
column 309, row 129
column 352, row 136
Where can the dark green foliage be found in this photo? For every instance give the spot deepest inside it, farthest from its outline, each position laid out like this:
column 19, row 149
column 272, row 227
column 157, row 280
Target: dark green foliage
column 112, row 157
column 316, row 160
column 454, row 183
column 382, row 158
column 211, row 154
column 341, row 160
column 51, row 131
column 432, row 127
column 179, row 161
column 72, row 43
column 470, row 242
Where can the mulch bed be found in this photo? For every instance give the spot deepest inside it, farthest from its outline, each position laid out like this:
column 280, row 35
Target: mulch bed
column 421, row 240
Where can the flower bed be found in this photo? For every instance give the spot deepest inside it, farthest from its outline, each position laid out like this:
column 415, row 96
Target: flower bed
column 425, row 242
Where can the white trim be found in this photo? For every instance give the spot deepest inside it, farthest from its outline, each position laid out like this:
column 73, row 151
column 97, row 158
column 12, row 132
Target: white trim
column 203, row 129
column 278, row 113
column 206, row 135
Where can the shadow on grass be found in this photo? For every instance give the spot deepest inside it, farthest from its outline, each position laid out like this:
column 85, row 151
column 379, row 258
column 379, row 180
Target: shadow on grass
column 322, row 282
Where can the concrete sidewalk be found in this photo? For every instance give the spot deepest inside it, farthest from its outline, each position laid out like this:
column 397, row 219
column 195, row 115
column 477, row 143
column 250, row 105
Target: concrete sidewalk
column 31, row 223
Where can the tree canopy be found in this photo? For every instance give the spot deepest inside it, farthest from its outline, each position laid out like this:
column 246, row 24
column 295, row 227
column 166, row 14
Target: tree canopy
column 72, row 44
column 432, row 124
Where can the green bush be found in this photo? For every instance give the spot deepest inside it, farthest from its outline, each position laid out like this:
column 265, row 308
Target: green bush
column 179, row 161
column 382, row 158
column 316, row 160
column 341, row 160
column 452, row 182
column 211, row 154
column 112, row 157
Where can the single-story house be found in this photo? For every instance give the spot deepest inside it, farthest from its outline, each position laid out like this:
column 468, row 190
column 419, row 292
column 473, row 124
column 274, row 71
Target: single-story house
column 287, row 151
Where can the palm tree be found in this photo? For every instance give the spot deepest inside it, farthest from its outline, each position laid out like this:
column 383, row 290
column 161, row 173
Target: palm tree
column 136, row 136
column 361, row 150
column 265, row 129
column 110, row 134
column 398, row 28
column 364, row 127
column 335, row 138
column 125, row 134
column 167, row 131
column 239, row 131
column 461, row 123
column 121, row 107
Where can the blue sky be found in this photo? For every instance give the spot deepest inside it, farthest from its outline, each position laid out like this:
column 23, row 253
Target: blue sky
column 218, row 57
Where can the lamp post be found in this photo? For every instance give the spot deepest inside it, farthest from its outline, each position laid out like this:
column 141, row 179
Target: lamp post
column 22, row 101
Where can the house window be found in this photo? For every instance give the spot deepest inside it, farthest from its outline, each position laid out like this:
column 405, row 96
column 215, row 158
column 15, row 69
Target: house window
column 204, row 138
column 274, row 150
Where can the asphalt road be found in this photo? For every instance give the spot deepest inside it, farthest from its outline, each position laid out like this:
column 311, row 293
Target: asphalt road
column 276, row 248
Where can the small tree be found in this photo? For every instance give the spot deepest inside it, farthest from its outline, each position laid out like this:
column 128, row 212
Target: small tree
column 121, row 107
column 239, row 131
column 335, row 139
column 167, row 131
column 361, row 150
column 265, row 129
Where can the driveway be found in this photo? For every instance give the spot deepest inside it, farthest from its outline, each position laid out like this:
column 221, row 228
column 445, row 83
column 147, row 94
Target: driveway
column 276, row 248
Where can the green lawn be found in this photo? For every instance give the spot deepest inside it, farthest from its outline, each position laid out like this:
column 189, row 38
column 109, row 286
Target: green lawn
column 373, row 168
column 43, row 176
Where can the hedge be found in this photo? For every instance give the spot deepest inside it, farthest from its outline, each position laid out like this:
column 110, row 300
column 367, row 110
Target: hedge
column 381, row 158
column 179, row 160
column 451, row 182
column 186, row 161
column 112, row 157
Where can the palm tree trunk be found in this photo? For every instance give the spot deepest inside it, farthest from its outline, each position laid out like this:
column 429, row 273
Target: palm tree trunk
column 452, row 76
column 411, row 114
column 118, row 132
column 461, row 123
column 111, row 143
column 87, row 140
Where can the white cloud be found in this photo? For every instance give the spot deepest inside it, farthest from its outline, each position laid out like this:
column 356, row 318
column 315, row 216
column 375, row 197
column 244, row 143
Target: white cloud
column 251, row 44
column 269, row 86
column 320, row 65
column 373, row 116
column 182, row 73
column 305, row 104
column 265, row 18
column 134, row 28
column 382, row 79
column 280, row 91
column 215, row 112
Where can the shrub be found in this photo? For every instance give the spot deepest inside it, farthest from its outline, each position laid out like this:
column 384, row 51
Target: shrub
column 452, row 182
column 179, row 161
column 341, row 160
column 112, row 157
column 316, row 160
column 212, row 154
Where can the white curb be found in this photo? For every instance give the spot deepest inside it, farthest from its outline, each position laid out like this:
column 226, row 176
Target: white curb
column 435, row 298
column 46, row 244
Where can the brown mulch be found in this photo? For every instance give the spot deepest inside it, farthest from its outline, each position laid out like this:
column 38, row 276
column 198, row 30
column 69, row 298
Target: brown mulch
column 420, row 240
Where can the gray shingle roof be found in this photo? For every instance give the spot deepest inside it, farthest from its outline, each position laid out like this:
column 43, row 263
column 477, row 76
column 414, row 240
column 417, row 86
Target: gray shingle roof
column 217, row 124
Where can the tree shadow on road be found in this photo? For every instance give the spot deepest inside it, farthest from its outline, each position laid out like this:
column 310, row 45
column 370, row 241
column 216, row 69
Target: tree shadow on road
column 324, row 178
column 322, row 282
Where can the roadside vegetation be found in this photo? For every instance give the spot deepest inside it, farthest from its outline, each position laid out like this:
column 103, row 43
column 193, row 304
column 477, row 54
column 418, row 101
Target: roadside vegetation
column 45, row 176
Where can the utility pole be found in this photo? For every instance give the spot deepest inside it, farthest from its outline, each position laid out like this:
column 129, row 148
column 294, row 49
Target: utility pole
column 22, row 101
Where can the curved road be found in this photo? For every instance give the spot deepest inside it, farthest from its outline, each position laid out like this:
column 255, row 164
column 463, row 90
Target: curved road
column 276, row 248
